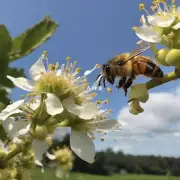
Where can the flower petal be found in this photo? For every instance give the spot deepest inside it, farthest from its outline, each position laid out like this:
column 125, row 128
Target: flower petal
column 177, row 26
column 147, row 34
column 108, row 125
column 39, row 147
column 140, row 92
column 22, row 83
column 15, row 128
column 13, row 106
column 37, row 68
column 161, row 21
column 82, row 145
column 25, row 129
column 53, row 105
column 69, row 105
column 88, row 111
column 11, row 109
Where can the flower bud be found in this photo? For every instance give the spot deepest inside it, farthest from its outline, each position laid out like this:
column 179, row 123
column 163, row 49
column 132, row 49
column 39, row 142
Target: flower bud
column 135, row 108
column 161, row 56
column 173, row 57
column 139, row 92
column 41, row 132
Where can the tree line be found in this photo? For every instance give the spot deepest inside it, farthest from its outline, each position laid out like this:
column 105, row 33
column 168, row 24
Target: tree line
column 109, row 162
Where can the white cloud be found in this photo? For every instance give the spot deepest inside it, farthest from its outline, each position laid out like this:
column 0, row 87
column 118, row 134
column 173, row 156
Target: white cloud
column 155, row 131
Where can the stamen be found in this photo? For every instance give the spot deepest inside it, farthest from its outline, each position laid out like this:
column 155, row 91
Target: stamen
column 68, row 58
column 94, row 94
column 142, row 7
column 51, row 67
column 78, row 70
column 109, row 90
column 98, row 102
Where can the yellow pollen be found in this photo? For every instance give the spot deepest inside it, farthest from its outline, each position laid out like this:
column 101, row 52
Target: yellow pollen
column 78, row 70
column 97, row 66
column 141, row 7
column 110, row 110
column 45, row 54
column 94, row 94
column 98, row 102
column 52, row 67
column 109, row 90
column 173, row 1
column 68, row 58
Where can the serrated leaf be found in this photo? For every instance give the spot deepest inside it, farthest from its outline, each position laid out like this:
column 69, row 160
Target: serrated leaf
column 32, row 38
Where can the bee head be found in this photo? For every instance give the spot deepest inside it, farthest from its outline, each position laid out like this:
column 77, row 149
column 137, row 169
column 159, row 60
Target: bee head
column 106, row 74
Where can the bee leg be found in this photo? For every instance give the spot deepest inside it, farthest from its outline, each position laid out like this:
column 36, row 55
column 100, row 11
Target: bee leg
column 121, row 82
column 127, row 85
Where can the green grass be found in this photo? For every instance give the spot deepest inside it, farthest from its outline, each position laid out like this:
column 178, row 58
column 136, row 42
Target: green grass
column 49, row 175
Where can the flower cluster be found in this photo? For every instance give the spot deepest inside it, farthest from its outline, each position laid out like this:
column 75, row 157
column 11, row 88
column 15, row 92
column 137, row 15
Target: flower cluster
column 161, row 26
column 58, row 97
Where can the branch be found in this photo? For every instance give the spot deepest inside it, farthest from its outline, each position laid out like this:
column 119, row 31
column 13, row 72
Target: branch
column 167, row 78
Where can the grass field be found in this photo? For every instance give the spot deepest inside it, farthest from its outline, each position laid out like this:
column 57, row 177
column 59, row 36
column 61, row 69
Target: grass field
column 49, row 175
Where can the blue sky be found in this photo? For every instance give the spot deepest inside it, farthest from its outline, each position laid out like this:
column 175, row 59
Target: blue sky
column 90, row 32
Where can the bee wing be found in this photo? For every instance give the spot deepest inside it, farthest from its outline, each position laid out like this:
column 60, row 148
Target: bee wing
column 142, row 47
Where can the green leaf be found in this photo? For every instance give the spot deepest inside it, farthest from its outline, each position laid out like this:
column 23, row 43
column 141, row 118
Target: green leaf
column 5, row 47
column 32, row 38
column 5, row 41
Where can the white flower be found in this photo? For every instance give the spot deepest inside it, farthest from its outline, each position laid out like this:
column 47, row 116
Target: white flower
column 20, row 124
column 36, row 71
column 163, row 17
column 39, row 147
column 91, row 121
column 53, row 80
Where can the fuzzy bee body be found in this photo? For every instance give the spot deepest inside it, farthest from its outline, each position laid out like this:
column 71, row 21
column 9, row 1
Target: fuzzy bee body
column 127, row 66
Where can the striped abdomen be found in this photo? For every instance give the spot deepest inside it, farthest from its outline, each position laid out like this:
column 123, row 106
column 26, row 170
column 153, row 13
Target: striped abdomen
column 144, row 66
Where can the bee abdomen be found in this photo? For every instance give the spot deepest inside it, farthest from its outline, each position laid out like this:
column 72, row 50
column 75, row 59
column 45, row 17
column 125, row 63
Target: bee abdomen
column 148, row 68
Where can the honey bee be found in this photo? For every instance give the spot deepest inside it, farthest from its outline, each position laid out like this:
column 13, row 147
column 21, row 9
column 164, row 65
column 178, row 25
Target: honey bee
column 127, row 66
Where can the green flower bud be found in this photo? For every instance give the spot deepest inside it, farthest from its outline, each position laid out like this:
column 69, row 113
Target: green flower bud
column 135, row 108
column 161, row 56
column 173, row 57
column 139, row 92
column 41, row 132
